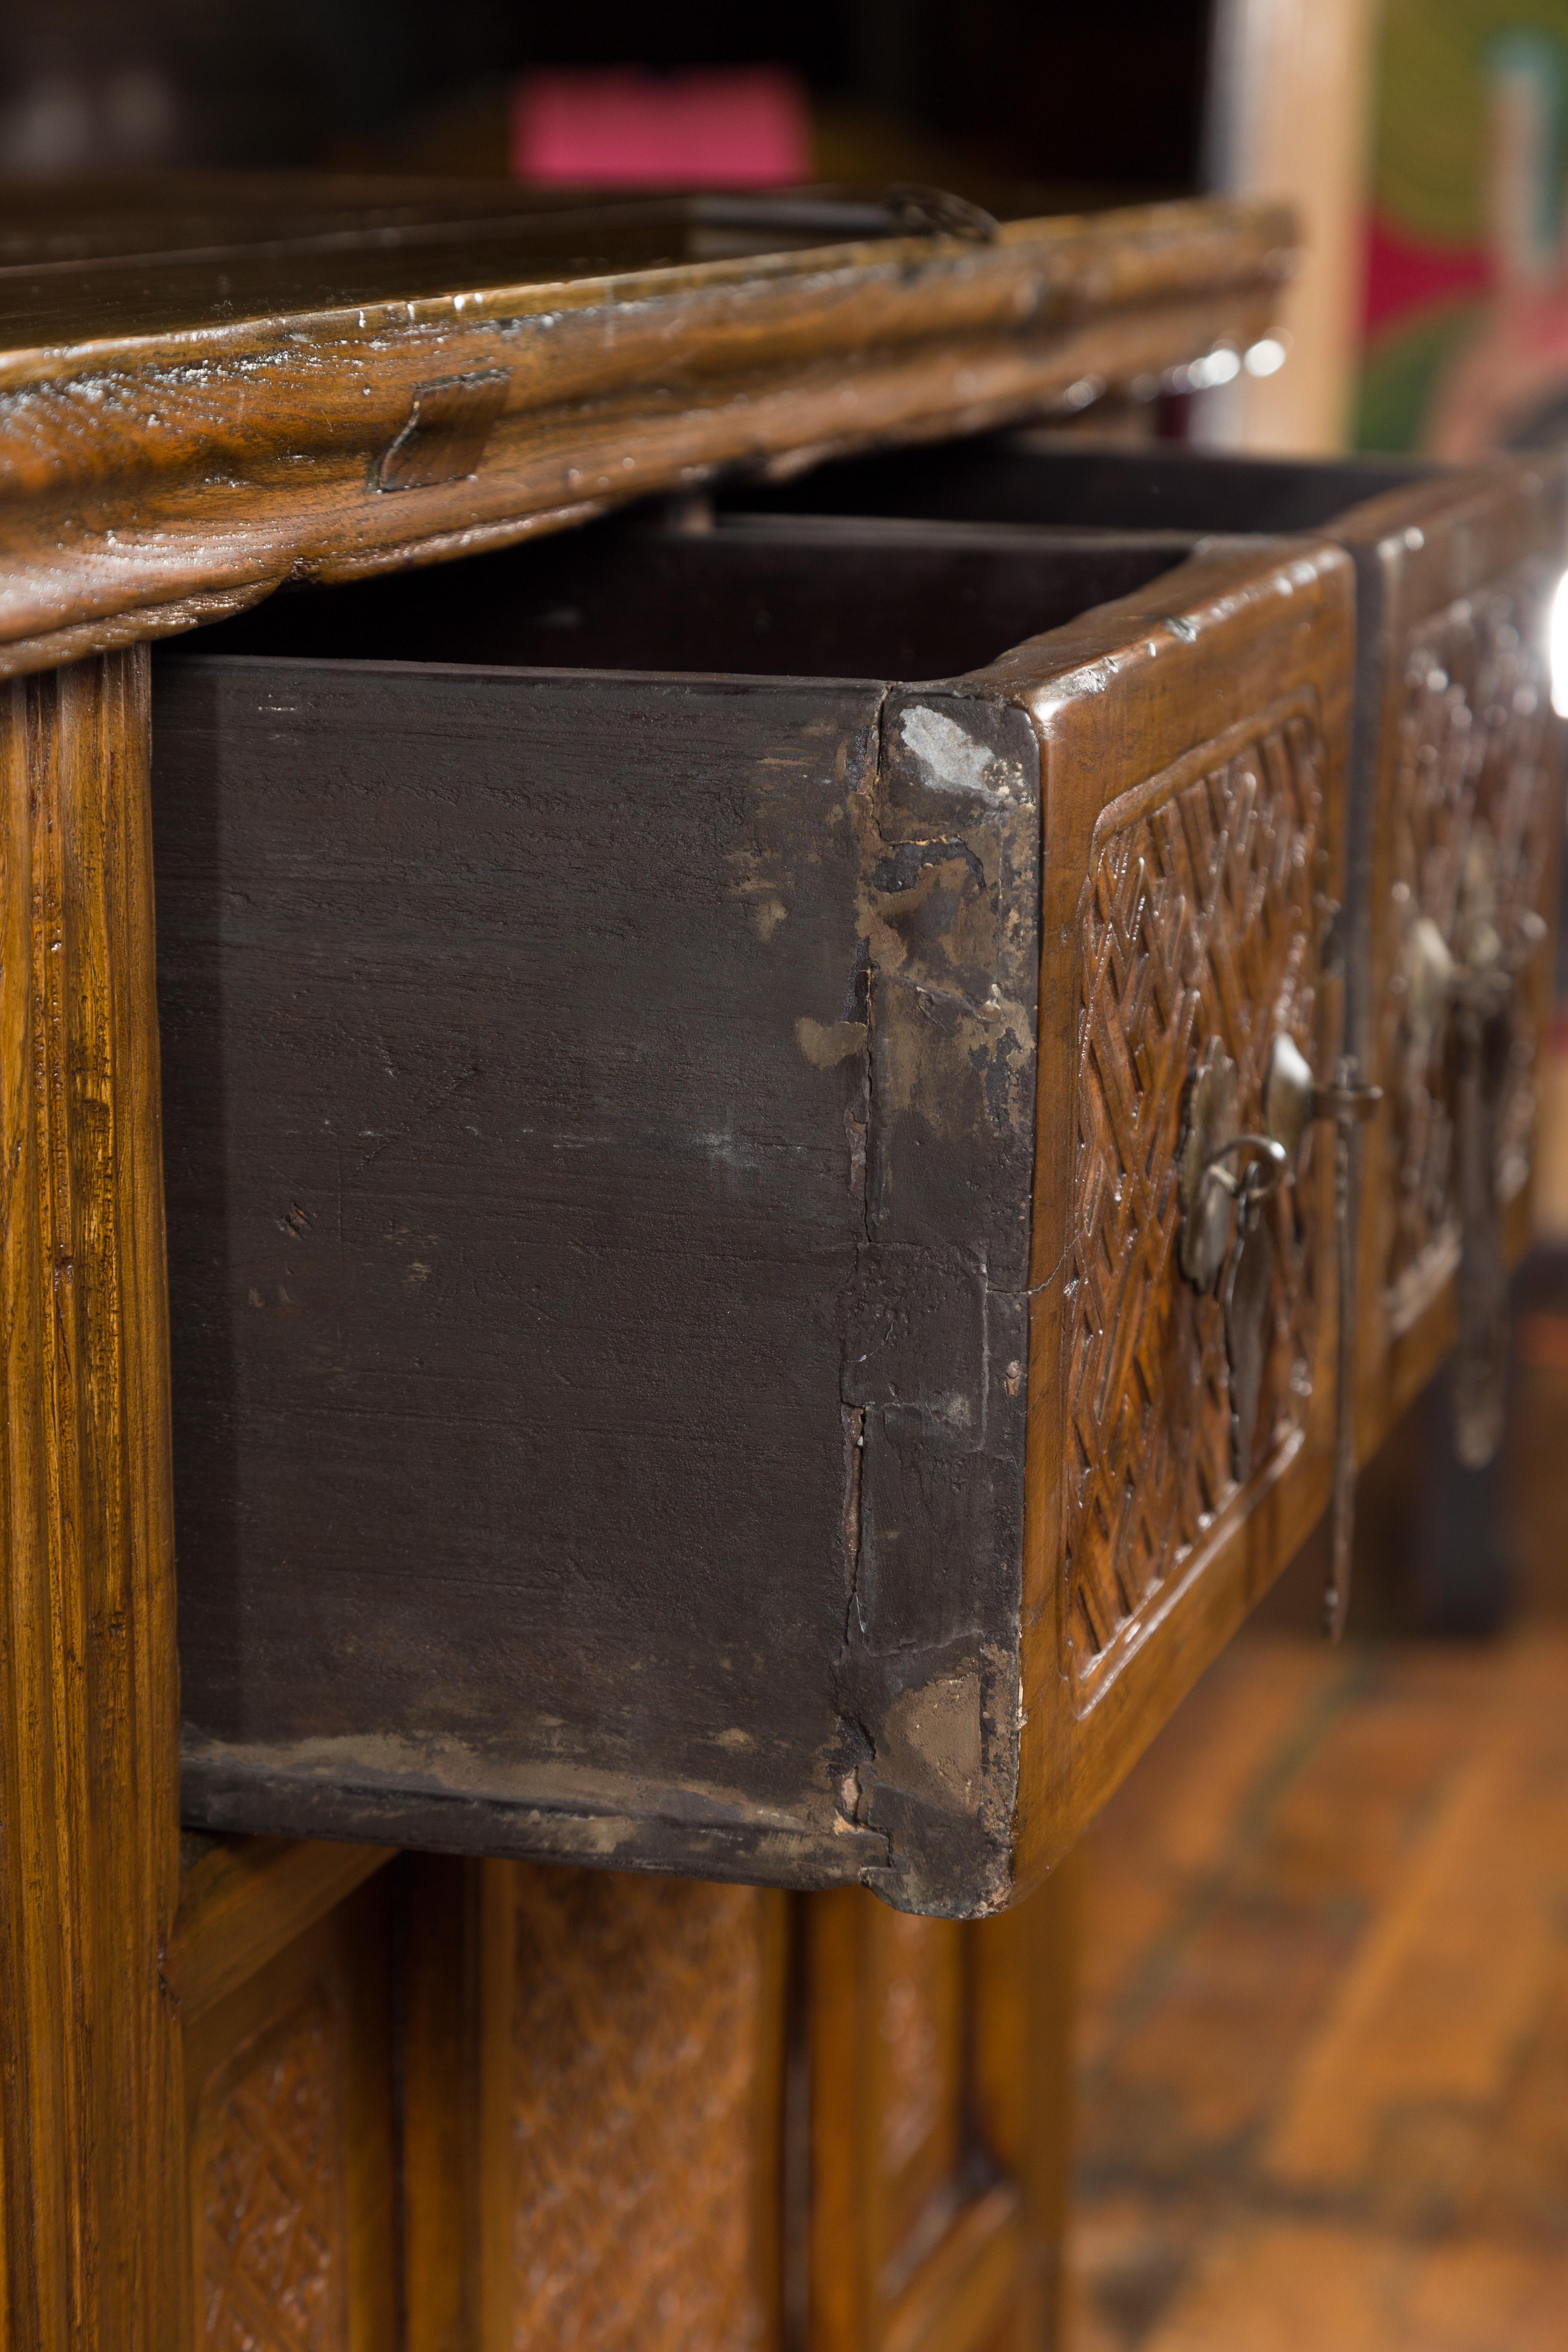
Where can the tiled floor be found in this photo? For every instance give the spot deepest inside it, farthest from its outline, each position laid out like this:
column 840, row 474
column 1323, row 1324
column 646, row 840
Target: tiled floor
column 1324, row 2037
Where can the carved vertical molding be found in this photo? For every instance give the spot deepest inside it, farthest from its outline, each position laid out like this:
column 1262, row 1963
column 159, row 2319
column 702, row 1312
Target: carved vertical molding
column 937, row 2056
column 87, row 1695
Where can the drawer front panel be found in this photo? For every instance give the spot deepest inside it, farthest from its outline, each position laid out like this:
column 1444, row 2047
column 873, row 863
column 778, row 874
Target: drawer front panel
column 1474, row 814
column 1201, row 922
column 1182, row 1344
column 1456, row 813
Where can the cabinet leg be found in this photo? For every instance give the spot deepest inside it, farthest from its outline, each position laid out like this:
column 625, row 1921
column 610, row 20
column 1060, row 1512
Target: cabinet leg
column 1028, row 1962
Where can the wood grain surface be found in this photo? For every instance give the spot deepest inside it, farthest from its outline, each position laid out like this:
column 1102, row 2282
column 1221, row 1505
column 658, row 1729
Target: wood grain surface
column 940, row 2124
column 88, row 2126
column 291, row 2148
column 245, row 1900
column 632, row 2112
column 1325, row 2016
column 200, row 406
column 1253, row 650
column 196, row 405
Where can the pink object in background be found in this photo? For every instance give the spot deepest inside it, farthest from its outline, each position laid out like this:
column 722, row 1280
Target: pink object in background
column 744, row 127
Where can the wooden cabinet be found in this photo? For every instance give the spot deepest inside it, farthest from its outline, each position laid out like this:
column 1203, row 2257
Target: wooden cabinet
column 451, row 2105
column 1455, row 825
column 686, row 1344
column 738, row 1299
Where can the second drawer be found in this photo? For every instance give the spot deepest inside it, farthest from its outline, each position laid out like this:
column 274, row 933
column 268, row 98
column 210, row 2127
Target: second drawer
column 1454, row 832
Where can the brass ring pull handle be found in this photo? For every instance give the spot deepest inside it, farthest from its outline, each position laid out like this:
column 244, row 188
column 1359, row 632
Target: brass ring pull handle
column 1265, row 1172
column 1222, row 1232
column 1225, row 1242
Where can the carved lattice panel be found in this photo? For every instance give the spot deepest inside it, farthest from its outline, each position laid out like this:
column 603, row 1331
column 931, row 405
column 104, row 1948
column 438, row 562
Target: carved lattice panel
column 1474, row 803
column 641, row 2052
column 272, row 2207
column 1200, row 922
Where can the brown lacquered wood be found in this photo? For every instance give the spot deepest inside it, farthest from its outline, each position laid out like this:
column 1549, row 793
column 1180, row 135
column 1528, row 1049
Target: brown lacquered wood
column 205, row 392
column 291, row 2148
column 1467, row 755
column 1259, row 666
column 1455, row 753
column 88, row 2128
column 137, row 497
column 245, row 1901
column 940, row 2065
column 591, row 2095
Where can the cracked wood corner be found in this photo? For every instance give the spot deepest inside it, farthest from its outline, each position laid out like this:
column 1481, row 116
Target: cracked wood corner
column 935, row 1343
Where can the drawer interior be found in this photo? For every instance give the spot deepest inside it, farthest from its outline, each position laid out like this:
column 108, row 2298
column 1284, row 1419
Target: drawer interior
column 1052, row 480
column 774, row 596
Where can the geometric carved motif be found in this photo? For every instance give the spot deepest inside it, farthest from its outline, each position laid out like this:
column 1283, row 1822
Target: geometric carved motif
column 641, row 2050
column 272, row 2196
column 1201, row 919
column 1473, row 804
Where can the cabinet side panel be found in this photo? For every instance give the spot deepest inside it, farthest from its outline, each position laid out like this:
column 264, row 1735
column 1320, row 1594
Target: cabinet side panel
column 516, row 1069
column 270, row 2184
column 936, row 2116
column 922, row 2050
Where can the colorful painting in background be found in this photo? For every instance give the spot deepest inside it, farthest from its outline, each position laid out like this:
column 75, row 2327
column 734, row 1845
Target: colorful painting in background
column 1466, row 270
column 745, row 128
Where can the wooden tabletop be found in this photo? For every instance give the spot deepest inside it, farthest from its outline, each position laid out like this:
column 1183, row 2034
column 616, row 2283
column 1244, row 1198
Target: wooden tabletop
column 211, row 384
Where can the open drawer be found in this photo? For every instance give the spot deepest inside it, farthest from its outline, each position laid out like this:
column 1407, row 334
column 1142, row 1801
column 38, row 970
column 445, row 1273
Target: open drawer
column 676, row 1163
column 1455, row 818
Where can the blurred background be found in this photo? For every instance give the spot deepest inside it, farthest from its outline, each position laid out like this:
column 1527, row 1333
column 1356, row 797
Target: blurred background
column 1324, row 2034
